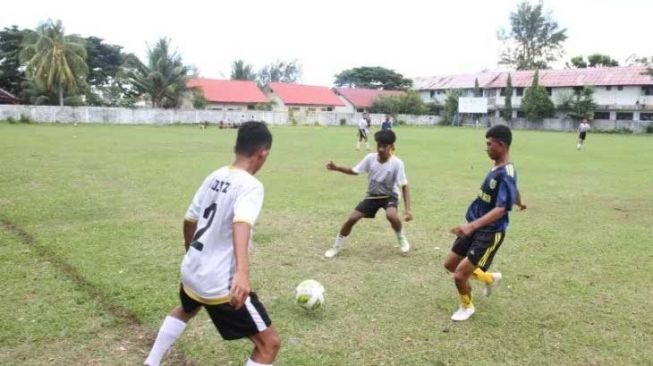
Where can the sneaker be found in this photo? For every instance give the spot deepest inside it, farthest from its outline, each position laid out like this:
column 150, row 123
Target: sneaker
column 463, row 314
column 491, row 287
column 404, row 245
column 332, row 252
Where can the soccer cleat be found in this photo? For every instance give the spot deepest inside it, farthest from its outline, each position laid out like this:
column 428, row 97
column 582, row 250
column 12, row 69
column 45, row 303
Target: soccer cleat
column 463, row 313
column 404, row 245
column 487, row 291
column 332, row 252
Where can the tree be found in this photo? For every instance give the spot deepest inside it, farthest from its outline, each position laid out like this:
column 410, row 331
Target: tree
column 581, row 104
column 372, row 77
column 477, row 89
column 279, row 71
column 507, row 104
column 451, row 106
column 11, row 73
column 407, row 103
column 593, row 60
column 577, row 62
column 106, row 86
column 55, row 62
column 242, row 71
column 536, row 103
column 163, row 78
column 535, row 38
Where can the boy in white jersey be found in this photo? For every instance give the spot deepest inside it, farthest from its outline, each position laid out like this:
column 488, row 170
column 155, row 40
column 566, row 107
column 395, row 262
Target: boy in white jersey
column 582, row 133
column 363, row 130
column 215, row 270
column 385, row 174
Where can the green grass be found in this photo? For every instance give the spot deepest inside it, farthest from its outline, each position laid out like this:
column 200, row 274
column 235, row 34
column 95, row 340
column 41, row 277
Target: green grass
column 108, row 201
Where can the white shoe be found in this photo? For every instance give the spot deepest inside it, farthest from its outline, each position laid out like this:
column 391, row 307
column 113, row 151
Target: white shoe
column 462, row 314
column 487, row 291
column 332, row 252
column 404, row 245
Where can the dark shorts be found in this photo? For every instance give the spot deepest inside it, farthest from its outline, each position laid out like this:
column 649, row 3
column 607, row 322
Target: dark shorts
column 369, row 206
column 582, row 135
column 480, row 247
column 362, row 134
column 247, row 321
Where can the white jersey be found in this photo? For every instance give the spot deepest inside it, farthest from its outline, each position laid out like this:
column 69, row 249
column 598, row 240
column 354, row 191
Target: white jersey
column 584, row 127
column 226, row 196
column 362, row 124
column 384, row 178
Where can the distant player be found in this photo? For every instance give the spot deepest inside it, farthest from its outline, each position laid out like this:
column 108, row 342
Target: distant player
column 215, row 269
column 385, row 175
column 363, row 131
column 387, row 123
column 582, row 133
column 481, row 236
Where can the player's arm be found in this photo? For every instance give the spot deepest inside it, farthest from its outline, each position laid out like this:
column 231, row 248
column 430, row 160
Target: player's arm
column 331, row 166
column 189, row 230
column 519, row 202
column 408, row 214
column 240, row 284
column 490, row 217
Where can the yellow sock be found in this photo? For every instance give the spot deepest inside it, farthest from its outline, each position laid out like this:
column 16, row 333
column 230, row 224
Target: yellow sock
column 466, row 301
column 483, row 276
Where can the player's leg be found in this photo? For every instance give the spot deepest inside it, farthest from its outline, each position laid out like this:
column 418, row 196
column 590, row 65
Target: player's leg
column 266, row 347
column 491, row 279
column 345, row 230
column 461, row 278
column 172, row 328
column 392, row 214
column 452, row 261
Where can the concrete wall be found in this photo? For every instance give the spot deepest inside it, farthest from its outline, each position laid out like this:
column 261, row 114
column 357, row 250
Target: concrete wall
column 564, row 124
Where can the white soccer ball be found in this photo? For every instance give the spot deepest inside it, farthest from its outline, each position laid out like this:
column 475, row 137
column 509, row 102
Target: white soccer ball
column 310, row 294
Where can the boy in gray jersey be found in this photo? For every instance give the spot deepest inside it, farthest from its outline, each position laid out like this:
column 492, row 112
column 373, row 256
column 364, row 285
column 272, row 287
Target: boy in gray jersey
column 385, row 175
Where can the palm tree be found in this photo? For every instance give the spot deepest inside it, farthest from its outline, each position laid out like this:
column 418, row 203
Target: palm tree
column 242, row 71
column 163, row 78
column 55, row 62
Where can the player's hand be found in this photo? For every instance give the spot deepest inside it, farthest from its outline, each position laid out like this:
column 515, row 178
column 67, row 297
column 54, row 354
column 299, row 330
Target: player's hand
column 408, row 215
column 463, row 230
column 239, row 290
column 331, row 166
column 522, row 206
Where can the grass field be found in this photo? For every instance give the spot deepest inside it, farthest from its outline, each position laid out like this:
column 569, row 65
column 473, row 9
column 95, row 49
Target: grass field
column 91, row 243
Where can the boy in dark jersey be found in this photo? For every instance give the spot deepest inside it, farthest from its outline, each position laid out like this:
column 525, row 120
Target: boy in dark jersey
column 487, row 219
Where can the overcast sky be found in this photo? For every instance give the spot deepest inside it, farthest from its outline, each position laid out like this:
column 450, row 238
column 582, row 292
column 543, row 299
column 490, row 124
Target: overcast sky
column 413, row 37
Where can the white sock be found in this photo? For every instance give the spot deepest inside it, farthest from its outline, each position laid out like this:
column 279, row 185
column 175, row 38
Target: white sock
column 254, row 363
column 400, row 233
column 170, row 330
column 340, row 241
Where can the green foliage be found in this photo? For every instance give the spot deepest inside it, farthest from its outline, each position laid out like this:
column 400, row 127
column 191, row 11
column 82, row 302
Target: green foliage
column 649, row 128
column 535, row 38
column 507, row 103
column 107, row 87
column 343, row 121
column 242, row 71
column 407, row 103
column 11, row 73
column 279, row 71
column 593, row 60
column 582, row 104
column 536, row 103
column 577, row 62
column 450, row 106
column 162, row 79
column 199, row 101
column 372, row 77
column 55, row 62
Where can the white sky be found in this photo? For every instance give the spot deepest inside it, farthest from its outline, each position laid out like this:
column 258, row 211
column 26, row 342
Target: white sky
column 413, row 37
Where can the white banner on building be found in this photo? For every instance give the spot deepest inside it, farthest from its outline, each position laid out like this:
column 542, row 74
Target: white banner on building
column 472, row 105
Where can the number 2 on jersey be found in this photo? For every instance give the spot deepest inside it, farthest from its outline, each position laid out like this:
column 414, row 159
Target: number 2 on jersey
column 209, row 214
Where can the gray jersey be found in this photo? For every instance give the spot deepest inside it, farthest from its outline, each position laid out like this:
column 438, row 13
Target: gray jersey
column 384, row 178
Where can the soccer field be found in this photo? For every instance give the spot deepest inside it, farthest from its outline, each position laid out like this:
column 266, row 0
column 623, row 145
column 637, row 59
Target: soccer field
column 91, row 244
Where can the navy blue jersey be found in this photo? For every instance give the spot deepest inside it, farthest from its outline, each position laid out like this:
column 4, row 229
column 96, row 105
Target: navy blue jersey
column 386, row 125
column 499, row 189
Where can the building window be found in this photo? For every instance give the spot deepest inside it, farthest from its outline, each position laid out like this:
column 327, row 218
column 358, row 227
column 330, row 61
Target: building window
column 608, row 87
column 602, row 115
column 251, row 107
column 329, row 109
column 620, row 87
column 360, row 110
column 502, row 92
column 646, row 116
column 520, row 92
column 578, row 89
column 549, row 91
column 521, row 114
column 624, row 116
column 432, row 94
column 647, row 90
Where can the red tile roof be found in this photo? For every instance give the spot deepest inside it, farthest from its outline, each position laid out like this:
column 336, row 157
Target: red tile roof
column 7, row 98
column 229, row 91
column 550, row 78
column 363, row 98
column 305, row 94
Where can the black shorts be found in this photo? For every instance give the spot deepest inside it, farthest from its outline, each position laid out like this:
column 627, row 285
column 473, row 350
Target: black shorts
column 247, row 321
column 480, row 247
column 362, row 134
column 582, row 135
column 369, row 206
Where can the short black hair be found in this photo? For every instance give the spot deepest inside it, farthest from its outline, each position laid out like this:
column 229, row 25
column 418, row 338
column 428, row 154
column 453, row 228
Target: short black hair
column 501, row 133
column 252, row 136
column 385, row 137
